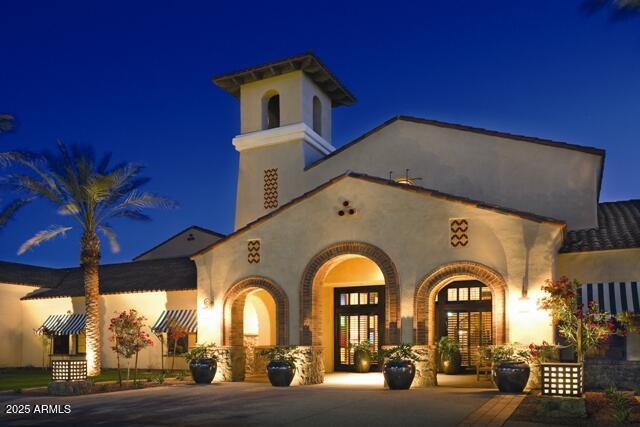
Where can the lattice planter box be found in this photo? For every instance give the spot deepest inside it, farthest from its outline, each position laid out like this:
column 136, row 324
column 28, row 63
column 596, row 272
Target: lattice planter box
column 561, row 379
column 69, row 370
column 69, row 377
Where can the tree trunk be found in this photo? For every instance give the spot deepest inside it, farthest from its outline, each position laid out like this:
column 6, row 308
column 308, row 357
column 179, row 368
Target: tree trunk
column 118, row 362
column 162, row 355
column 135, row 370
column 89, row 261
column 173, row 356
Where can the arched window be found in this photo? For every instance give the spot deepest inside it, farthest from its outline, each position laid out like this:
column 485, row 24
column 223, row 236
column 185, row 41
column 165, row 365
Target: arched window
column 317, row 115
column 271, row 114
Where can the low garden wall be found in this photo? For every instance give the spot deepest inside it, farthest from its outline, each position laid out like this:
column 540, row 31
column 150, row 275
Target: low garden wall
column 622, row 374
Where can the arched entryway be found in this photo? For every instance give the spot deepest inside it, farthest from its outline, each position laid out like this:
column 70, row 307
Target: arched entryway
column 255, row 316
column 425, row 315
column 355, row 270
column 234, row 309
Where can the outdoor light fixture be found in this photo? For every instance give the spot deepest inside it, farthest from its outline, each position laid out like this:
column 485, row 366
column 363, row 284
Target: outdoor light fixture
column 207, row 303
column 69, row 370
column 561, row 379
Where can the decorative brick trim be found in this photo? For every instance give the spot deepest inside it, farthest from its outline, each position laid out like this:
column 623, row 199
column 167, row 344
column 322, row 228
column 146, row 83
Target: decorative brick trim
column 310, row 300
column 253, row 251
column 459, row 236
column 271, row 188
column 234, row 300
column 424, row 301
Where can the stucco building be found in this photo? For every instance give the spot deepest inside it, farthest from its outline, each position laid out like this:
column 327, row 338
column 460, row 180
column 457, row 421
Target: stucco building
column 417, row 229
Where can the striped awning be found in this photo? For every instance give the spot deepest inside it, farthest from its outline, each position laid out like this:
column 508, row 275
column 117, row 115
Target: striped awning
column 63, row 324
column 186, row 318
column 612, row 297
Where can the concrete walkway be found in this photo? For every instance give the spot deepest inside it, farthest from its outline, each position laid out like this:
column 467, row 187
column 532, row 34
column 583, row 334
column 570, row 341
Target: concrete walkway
column 338, row 402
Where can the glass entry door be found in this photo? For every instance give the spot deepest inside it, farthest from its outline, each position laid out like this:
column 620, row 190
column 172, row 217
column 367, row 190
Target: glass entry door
column 359, row 316
column 464, row 314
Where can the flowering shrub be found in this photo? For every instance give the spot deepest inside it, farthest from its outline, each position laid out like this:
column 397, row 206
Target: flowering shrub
column 128, row 338
column 585, row 328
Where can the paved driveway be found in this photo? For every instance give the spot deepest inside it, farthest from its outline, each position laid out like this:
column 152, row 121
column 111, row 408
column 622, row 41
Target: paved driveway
column 334, row 404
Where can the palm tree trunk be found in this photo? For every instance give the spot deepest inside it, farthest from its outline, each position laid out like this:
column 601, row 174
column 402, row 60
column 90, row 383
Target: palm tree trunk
column 89, row 260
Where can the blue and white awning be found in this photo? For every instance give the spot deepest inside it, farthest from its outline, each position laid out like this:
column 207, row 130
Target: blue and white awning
column 185, row 318
column 613, row 297
column 63, row 324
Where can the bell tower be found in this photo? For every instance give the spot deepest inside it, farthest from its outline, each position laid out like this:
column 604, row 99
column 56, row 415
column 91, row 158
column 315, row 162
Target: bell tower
column 285, row 125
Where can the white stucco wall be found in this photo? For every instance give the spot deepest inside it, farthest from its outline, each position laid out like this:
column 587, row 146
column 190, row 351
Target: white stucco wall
column 180, row 245
column 555, row 182
column 622, row 265
column 413, row 229
column 148, row 304
column 296, row 92
column 11, row 319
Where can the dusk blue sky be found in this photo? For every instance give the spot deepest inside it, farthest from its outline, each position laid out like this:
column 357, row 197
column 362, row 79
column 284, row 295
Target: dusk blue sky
column 134, row 79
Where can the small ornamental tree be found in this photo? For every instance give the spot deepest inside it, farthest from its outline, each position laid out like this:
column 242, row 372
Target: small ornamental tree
column 584, row 328
column 175, row 331
column 160, row 336
column 128, row 338
column 45, row 339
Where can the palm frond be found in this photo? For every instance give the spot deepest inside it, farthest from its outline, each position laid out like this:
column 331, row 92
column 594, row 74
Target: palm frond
column 9, row 211
column 7, row 122
column 136, row 200
column 135, row 215
column 10, row 158
column 43, row 236
column 30, row 184
column 70, row 208
column 111, row 236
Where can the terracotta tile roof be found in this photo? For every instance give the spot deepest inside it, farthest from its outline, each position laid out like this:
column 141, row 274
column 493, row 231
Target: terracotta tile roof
column 391, row 183
column 618, row 228
column 171, row 274
column 307, row 62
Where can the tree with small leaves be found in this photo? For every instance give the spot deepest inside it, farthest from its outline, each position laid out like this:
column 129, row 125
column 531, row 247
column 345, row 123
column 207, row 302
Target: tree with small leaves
column 89, row 191
column 128, row 338
column 175, row 332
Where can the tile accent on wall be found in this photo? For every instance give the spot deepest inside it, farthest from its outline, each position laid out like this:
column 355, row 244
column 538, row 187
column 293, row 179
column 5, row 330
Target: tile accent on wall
column 253, row 251
column 271, row 188
column 459, row 233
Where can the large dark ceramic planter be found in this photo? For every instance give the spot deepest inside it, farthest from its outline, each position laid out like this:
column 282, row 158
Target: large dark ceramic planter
column 203, row 370
column 362, row 361
column 511, row 377
column 451, row 365
column 399, row 374
column 280, row 373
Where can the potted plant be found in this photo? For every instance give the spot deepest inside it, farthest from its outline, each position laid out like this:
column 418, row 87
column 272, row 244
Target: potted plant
column 449, row 353
column 282, row 364
column 399, row 370
column 203, row 363
column 363, row 356
column 510, row 370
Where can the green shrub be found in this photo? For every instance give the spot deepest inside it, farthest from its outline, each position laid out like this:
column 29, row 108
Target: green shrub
column 619, row 405
column 280, row 353
column 180, row 376
column 448, row 348
column 17, row 390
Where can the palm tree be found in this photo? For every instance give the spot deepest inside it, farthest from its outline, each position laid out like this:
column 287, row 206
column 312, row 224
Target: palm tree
column 7, row 123
column 92, row 193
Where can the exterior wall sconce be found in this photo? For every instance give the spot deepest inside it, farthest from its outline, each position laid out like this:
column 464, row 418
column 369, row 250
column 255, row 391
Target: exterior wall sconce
column 207, row 303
